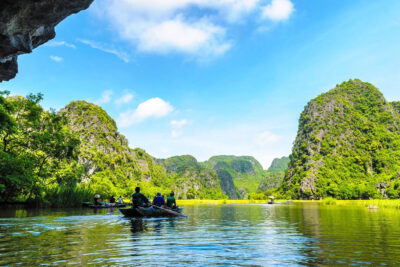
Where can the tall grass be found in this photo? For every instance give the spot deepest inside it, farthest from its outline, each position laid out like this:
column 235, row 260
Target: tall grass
column 329, row 201
column 218, row 202
column 67, row 196
column 381, row 203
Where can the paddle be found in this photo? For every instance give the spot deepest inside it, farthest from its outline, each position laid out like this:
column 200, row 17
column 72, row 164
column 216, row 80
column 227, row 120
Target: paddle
column 169, row 211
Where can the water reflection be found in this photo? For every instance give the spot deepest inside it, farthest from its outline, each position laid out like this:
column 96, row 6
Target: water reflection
column 137, row 226
column 241, row 235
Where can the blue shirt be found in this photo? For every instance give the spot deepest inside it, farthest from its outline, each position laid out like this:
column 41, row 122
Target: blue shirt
column 158, row 201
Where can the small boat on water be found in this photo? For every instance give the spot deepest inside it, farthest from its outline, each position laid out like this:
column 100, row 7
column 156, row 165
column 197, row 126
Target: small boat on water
column 103, row 205
column 153, row 211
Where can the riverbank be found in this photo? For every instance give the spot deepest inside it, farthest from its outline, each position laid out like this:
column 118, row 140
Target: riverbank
column 368, row 203
column 219, row 201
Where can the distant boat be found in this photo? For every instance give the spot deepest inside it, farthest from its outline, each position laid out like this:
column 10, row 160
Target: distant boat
column 103, row 205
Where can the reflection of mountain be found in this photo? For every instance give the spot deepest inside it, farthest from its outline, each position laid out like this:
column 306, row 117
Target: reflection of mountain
column 346, row 235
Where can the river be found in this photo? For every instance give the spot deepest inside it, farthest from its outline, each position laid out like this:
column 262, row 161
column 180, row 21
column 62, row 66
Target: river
column 288, row 234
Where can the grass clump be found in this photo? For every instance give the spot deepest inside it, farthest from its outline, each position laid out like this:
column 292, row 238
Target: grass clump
column 329, row 201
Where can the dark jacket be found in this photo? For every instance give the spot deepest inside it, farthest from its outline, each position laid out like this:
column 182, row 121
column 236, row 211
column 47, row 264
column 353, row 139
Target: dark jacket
column 138, row 199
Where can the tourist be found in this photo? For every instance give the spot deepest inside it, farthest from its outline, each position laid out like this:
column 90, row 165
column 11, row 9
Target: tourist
column 139, row 200
column 171, row 202
column 112, row 201
column 96, row 200
column 158, row 200
column 120, row 200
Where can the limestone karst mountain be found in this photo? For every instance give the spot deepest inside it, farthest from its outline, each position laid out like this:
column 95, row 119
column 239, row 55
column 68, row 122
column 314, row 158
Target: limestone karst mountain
column 347, row 146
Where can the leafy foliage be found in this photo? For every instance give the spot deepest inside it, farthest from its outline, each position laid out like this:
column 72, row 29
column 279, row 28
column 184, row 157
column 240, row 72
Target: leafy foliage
column 245, row 171
column 35, row 145
column 279, row 165
column 348, row 143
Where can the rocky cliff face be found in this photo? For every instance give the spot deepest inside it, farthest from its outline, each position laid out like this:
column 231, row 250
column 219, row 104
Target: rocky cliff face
column 24, row 25
column 112, row 167
column 273, row 177
column 279, row 164
column 239, row 175
column 348, row 142
column 193, row 179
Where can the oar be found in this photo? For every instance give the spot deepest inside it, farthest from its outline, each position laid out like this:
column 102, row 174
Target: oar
column 169, row 211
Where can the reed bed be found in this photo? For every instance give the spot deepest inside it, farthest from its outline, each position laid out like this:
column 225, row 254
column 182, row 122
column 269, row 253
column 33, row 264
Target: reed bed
column 218, row 202
column 381, row 203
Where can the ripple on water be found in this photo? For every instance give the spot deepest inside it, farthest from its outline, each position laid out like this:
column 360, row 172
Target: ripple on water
column 252, row 235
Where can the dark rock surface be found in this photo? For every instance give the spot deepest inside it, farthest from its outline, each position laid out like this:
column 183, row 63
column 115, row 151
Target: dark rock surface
column 26, row 24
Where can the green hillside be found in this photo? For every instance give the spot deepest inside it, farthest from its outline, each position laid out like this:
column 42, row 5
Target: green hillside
column 112, row 168
column 279, row 164
column 347, row 146
column 245, row 172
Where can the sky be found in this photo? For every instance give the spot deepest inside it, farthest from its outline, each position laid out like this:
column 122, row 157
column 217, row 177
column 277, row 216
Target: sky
column 213, row 77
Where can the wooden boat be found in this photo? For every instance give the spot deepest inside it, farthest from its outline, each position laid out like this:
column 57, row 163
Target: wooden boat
column 153, row 211
column 103, row 205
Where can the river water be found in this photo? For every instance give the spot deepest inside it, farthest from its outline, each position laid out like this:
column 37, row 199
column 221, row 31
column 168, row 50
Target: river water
column 289, row 234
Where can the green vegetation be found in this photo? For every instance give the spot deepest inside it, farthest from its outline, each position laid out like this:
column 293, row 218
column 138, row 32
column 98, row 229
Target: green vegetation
column 37, row 151
column 329, row 201
column 272, row 178
column 192, row 180
column 245, row 172
column 63, row 159
column 112, row 168
column 219, row 201
column 279, row 165
column 347, row 146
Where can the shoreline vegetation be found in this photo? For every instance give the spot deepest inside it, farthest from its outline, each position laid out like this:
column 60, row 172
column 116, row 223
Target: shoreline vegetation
column 367, row 203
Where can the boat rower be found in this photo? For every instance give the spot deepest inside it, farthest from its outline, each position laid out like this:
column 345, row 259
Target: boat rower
column 171, row 202
column 112, row 201
column 139, row 200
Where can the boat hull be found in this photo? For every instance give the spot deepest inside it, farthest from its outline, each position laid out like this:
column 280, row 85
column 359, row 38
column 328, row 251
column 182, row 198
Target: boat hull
column 149, row 212
column 105, row 206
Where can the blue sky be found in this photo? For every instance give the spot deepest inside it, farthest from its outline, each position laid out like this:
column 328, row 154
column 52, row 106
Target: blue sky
column 207, row 77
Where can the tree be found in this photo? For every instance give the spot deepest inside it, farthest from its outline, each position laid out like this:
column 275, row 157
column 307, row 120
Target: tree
column 35, row 144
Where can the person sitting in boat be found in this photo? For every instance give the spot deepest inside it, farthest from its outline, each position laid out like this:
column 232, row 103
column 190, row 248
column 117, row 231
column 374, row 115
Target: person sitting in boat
column 112, row 201
column 139, row 200
column 158, row 200
column 120, row 200
column 171, row 202
column 96, row 200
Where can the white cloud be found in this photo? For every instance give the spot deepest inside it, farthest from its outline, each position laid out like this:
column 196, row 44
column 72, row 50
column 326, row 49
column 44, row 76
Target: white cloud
column 152, row 108
column 124, row 99
column 192, row 27
column 177, row 127
column 278, row 10
column 102, row 47
column 266, row 138
column 56, row 58
column 60, row 43
column 176, row 35
column 105, row 97
column 178, row 124
column 176, row 133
